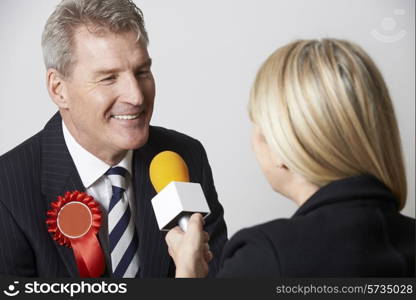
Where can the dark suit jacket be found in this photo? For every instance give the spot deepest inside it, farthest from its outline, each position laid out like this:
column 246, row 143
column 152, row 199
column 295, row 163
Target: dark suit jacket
column 34, row 173
column 348, row 228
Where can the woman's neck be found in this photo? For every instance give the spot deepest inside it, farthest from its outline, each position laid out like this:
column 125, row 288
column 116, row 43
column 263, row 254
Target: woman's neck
column 301, row 190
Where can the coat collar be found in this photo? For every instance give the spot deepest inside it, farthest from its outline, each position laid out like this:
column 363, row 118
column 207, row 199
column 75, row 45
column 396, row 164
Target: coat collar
column 58, row 175
column 363, row 187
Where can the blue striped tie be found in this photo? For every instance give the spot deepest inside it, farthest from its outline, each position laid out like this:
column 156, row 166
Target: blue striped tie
column 123, row 241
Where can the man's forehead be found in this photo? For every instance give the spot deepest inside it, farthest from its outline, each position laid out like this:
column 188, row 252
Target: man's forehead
column 108, row 47
column 91, row 38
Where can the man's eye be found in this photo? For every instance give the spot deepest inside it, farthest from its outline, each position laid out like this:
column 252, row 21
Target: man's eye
column 143, row 74
column 109, row 78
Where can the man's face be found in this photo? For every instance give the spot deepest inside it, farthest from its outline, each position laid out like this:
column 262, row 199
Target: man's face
column 110, row 93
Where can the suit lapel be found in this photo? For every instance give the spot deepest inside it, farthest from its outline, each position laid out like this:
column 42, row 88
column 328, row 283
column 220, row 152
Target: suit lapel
column 58, row 175
column 153, row 255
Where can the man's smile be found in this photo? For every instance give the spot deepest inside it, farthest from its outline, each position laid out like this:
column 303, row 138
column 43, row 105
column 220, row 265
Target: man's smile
column 127, row 116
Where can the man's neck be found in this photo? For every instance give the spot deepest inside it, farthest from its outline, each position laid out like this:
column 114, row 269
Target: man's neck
column 111, row 158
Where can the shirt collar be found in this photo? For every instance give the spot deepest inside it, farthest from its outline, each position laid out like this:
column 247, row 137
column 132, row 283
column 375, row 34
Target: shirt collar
column 90, row 168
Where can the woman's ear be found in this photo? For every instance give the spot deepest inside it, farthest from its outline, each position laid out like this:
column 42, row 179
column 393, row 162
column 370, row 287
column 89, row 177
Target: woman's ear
column 281, row 165
column 55, row 84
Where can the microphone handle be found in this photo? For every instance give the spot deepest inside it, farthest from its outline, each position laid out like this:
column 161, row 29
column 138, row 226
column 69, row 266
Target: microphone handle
column 183, row 222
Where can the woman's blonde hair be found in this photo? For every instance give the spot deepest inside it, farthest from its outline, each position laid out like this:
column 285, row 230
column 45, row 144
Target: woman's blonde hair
column 325, row 110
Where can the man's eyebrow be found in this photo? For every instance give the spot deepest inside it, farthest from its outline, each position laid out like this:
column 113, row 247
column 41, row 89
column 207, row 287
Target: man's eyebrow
column 146, row 64
column 106, row 71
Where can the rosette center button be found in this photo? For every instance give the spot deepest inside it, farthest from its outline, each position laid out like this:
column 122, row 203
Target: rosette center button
column 74, row 219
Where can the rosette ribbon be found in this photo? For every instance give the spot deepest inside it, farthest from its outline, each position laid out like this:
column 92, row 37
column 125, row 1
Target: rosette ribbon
column 74, row 221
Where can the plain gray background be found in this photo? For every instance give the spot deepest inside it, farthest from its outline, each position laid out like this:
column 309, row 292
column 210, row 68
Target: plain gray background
column 205, row 56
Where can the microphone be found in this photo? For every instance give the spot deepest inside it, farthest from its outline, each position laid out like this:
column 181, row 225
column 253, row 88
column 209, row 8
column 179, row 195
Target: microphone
column 177, row 198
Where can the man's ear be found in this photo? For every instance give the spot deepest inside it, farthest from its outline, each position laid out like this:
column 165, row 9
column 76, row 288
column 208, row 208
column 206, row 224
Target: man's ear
column 56, row 86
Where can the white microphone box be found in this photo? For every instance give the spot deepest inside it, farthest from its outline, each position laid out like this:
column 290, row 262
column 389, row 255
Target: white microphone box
column 176, row 200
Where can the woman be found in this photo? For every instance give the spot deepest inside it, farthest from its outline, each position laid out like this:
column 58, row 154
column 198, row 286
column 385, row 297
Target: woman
column 326, row 137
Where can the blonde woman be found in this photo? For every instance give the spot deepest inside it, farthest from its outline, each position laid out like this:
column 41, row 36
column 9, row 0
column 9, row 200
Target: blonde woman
column 326, row 137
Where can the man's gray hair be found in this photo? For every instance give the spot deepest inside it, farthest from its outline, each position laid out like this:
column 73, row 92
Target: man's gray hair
column 97, row 15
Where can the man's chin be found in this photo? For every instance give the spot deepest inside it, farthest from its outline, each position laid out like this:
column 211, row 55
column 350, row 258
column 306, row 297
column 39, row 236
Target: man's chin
column 135, row 141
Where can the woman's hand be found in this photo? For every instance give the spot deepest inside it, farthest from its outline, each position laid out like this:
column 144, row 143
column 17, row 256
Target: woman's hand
column 190, row 249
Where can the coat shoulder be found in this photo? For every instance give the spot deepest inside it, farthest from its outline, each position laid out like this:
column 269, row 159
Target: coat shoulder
column 349, row 241
column 169, row 136
column 162, row 139
column 20, row 172
column 30, row 144
column 21, row 158
column 251, row 252
column 266, row 236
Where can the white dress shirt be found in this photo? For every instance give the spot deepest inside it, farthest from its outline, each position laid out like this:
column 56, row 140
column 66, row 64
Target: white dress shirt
column 92, row 170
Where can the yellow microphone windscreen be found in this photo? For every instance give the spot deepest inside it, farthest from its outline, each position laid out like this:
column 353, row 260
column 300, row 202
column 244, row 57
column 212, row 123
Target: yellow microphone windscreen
column 166, row 167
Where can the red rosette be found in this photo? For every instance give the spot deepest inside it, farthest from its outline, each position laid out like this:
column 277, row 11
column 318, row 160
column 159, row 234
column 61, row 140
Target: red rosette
column 74, row 221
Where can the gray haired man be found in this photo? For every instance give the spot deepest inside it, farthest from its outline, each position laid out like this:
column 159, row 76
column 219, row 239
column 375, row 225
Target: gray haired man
column 100, row 142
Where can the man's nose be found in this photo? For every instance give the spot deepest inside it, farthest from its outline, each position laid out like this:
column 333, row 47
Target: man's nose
column 133, row 93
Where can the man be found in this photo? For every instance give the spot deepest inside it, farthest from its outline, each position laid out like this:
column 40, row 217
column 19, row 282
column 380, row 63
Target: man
column 100, row 142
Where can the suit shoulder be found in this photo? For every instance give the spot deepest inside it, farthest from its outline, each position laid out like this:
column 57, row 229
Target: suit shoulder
column 28, row 147
column 409, row 221
column 20, row 171
column 158, row 133
column 274, row 234
column 272, row 228
column 265, row 233
column 250, row 253
column 167, row 139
